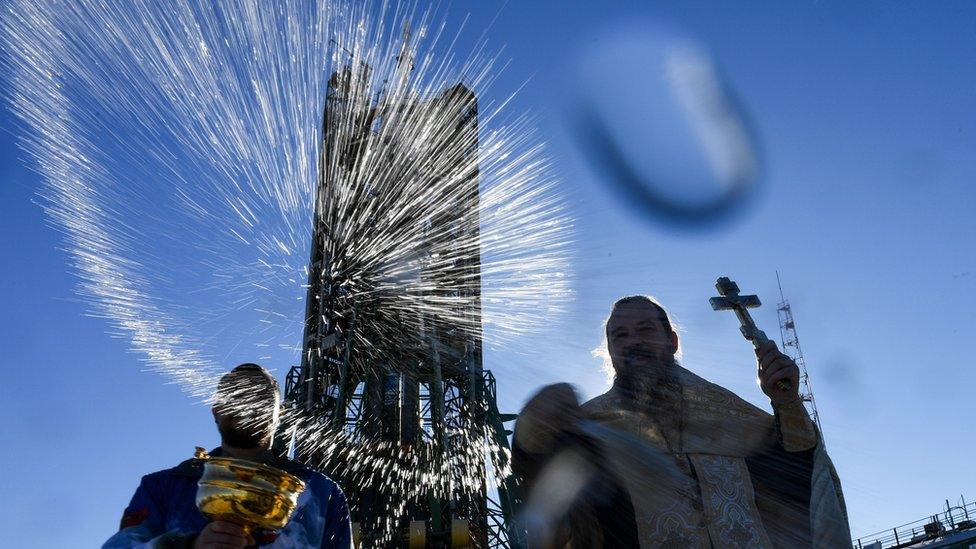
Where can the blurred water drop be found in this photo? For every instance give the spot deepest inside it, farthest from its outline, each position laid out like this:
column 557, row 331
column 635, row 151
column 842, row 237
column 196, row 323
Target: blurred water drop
column 662, row 126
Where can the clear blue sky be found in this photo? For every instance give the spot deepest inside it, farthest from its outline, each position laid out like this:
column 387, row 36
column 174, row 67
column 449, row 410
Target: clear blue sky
column 867, row 119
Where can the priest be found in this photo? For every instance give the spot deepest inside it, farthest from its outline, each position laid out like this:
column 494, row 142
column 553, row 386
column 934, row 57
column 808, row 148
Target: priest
column 668, row 459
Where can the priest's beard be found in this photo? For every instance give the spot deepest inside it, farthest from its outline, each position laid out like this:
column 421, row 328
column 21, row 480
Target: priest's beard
column 647, row 378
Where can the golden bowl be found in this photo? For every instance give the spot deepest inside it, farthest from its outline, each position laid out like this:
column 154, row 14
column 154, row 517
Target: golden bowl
column 247, row 493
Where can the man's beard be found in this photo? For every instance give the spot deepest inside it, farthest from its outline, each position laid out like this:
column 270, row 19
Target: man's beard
column 242, row 437
column 646, row 375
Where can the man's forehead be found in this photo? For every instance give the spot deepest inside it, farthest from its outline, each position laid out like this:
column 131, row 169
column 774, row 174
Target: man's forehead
column 634, row 312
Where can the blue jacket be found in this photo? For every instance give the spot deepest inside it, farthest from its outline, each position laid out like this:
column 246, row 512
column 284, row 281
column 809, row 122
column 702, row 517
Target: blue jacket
column 163, row 511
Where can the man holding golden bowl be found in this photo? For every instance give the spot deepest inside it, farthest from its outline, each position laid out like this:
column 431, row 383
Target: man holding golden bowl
column 240, row 494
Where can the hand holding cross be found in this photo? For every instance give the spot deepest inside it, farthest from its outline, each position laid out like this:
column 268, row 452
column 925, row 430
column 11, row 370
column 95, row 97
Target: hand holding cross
column 729, row 298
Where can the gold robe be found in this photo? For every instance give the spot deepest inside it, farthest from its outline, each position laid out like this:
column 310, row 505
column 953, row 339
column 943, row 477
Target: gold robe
column 691, row 484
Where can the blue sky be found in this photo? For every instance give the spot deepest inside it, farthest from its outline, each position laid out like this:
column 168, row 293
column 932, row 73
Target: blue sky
column 867, row 121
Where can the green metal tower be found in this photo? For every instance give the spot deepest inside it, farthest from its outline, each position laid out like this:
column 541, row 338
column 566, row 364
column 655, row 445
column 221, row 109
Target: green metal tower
column 401, row 386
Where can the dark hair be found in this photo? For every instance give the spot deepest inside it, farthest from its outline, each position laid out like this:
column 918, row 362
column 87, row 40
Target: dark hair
column 662, row 314
column 227, row 382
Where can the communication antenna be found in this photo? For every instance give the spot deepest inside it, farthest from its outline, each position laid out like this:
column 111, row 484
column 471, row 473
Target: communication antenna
column 791, row 346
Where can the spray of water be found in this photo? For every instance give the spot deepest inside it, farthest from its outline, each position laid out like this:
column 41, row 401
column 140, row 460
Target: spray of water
column 179, row 145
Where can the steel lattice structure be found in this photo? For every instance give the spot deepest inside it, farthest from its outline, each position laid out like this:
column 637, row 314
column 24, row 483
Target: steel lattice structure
column 421, row 395
column 791, row 346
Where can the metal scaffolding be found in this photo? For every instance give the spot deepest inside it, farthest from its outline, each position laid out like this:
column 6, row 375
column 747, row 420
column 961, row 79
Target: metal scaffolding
column 404, row 385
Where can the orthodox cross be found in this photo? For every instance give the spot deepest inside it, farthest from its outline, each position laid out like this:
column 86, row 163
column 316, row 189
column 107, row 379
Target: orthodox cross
column 729, row 299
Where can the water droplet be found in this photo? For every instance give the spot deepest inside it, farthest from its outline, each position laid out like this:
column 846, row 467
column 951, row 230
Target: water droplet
column 662, row 126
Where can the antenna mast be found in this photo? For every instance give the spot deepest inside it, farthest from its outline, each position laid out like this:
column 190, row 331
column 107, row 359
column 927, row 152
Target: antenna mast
column 791, row 346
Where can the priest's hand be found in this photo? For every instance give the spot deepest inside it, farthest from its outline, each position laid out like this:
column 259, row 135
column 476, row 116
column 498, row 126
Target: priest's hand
column 775, row 366
column 553, row 467
column 549, row 416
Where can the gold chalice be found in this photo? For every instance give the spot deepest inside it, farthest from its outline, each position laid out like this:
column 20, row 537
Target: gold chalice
column 246, row 493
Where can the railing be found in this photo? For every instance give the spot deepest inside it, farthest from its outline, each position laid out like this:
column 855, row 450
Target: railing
column 954, row 519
